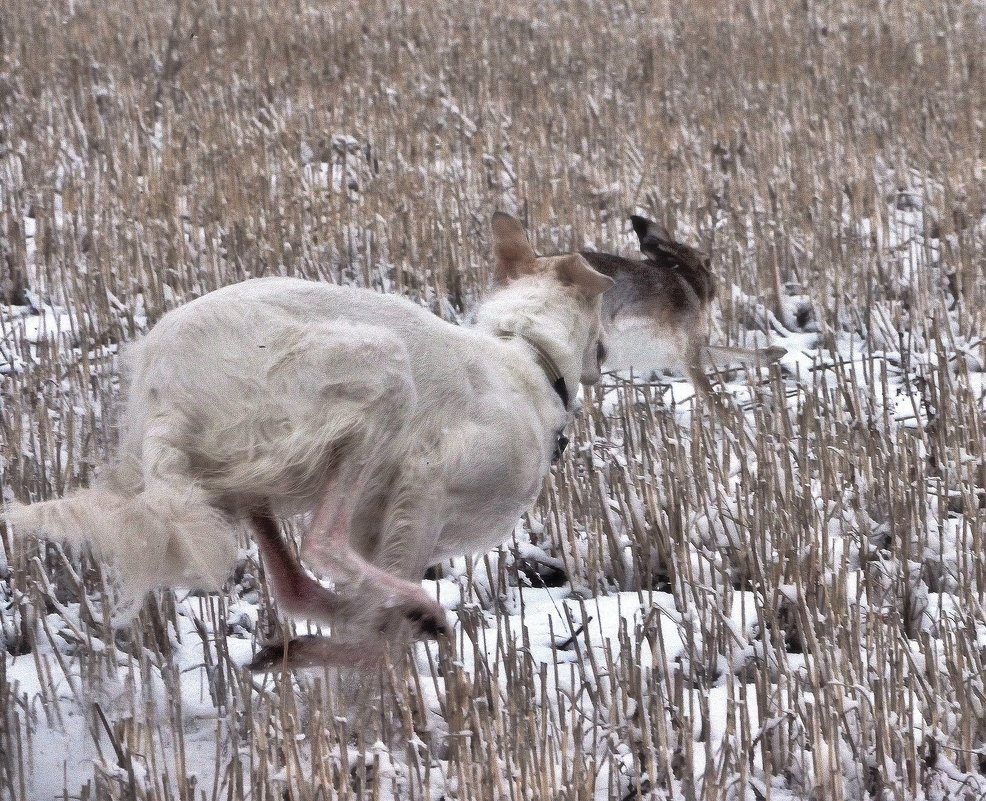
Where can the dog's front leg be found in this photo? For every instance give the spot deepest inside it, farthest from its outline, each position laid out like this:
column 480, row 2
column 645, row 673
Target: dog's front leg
column 300, row 595
column 377, row 599
column 310, row 650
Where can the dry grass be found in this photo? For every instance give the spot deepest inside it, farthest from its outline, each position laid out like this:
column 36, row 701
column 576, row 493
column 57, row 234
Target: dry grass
column 827, row 586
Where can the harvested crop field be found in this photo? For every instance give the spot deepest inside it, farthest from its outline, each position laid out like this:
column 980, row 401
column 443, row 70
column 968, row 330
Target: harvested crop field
column 788, row 603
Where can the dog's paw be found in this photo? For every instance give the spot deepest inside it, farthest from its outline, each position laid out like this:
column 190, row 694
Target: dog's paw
column 427, row 626
column 426, row 618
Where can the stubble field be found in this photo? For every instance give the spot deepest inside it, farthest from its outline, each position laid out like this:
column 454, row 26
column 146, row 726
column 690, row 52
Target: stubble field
column 786, row 605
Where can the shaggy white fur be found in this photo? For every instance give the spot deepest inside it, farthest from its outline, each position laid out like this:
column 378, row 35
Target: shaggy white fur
column 410, row 439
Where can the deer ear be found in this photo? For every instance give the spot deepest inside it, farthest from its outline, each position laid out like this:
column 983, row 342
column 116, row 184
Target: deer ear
column 576, row 271
column 513, row 251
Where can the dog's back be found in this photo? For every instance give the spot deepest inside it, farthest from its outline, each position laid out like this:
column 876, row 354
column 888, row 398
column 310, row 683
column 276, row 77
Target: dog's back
column 277, row 355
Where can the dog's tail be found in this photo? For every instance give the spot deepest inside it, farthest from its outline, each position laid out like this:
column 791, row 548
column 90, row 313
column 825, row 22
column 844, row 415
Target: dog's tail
column 161, row 535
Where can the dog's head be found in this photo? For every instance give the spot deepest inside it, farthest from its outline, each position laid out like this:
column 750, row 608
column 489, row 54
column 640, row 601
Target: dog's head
column 516, row 260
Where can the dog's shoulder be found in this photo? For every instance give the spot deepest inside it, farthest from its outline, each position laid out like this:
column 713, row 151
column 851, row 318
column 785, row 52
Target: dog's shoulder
column 691, row 265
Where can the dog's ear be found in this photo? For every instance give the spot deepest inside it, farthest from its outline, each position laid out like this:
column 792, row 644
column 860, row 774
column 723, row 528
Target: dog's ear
column 652, row 235
column 657, row 244
column 513, row 251
column 575, row 271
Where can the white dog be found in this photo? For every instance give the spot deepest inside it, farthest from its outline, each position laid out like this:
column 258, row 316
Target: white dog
column 410, row 440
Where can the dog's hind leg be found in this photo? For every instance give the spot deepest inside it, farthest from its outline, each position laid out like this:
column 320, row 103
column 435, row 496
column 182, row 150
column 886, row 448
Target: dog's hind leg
column 297, row 592
column 313, row 651
column 373, row 604
column 723, row 354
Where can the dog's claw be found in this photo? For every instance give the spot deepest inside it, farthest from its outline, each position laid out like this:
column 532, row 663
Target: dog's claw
column 432, row 626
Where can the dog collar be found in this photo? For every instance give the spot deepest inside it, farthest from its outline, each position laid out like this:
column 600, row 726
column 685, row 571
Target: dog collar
column 553, row 374
column 546, row 363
